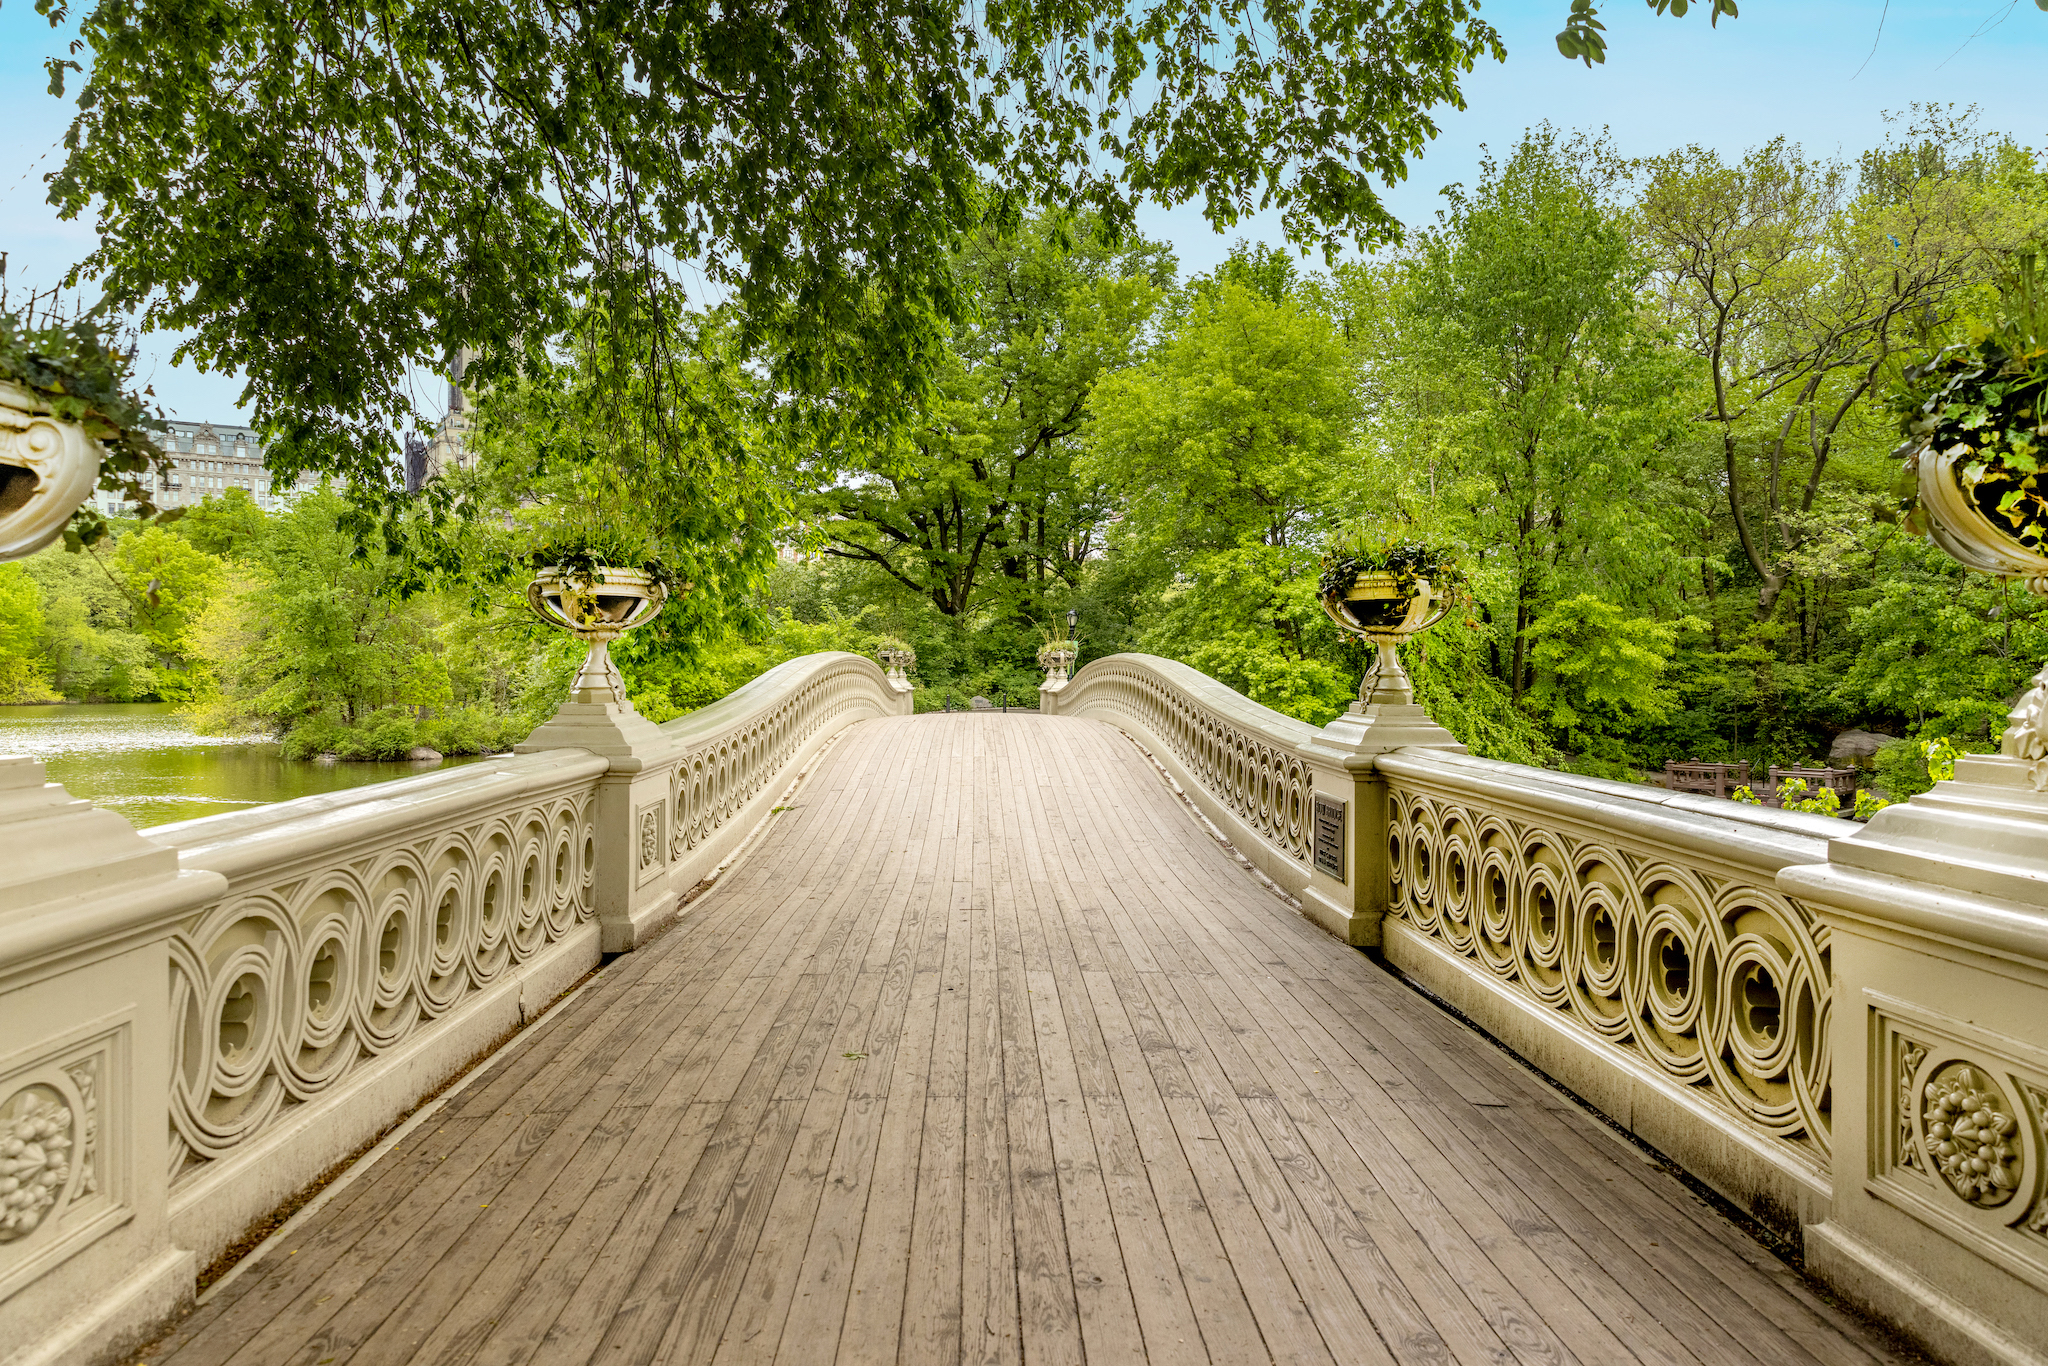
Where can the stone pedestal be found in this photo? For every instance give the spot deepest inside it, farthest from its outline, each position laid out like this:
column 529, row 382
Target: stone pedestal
column 634, row 813
column 1388, row 720
column 87, row 906
column 1938, row 920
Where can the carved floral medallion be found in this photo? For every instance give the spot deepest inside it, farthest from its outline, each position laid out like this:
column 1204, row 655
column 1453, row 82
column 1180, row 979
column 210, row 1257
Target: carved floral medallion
column 37, row 1131
column 1971, row 1135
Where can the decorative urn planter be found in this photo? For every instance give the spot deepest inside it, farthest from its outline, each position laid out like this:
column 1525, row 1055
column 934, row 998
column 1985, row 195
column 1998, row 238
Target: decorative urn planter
column 1988, row 517
column 1056, row 657
column 47, row 470
column 1379, row 607
column 596, row 606
column 897, row 662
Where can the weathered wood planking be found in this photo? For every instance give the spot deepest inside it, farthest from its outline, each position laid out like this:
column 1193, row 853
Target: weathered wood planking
column 990, row 1053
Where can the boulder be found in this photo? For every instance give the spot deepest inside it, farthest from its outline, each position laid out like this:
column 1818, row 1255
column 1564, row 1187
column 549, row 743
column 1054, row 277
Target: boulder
column 423, row 754
column 327, row 758
column 982, row 704
column 1858, row 746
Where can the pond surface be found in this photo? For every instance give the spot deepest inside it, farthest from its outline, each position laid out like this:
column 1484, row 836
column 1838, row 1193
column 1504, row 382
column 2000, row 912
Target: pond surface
column 142, row 760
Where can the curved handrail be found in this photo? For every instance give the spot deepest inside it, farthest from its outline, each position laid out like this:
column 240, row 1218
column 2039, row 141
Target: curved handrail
column 1251, row 769
column 728, row 752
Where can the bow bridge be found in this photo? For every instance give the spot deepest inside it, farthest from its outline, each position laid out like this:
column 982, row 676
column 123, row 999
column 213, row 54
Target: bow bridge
column 1154, row 1026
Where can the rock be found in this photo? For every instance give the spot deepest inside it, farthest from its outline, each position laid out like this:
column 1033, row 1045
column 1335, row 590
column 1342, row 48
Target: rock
column 328, row 758
column 422, row 754
column 1855, row 746
column 982, row 704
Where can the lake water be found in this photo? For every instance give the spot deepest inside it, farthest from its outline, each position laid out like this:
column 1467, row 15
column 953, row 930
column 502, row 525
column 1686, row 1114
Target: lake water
column 142, row 760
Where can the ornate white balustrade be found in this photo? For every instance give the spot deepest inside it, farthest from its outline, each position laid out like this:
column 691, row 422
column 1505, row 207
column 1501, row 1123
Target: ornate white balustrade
column 1254, row 772
column 197, row 1025
column 1634, row 943
column 409, row 923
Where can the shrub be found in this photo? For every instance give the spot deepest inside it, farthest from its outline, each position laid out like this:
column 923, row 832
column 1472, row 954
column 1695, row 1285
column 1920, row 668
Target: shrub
column 1795, row 795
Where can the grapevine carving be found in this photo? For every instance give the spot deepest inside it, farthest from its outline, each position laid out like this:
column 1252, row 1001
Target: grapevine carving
column 1723, row 985
column 1911, row 1055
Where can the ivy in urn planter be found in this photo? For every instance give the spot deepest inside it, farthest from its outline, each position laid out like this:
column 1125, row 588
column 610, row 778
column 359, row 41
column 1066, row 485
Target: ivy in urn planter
column 81, row 377
column 579, row 539
column 1407, row 561
column 1981, row 403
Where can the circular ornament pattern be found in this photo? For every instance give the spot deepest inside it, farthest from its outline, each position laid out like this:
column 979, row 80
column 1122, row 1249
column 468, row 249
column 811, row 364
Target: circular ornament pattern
column 35, row 1158
column 1971, row 1134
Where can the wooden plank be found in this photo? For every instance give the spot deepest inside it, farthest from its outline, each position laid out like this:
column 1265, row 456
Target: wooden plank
column 856, row 1271
column 1082, row 1083
column 1118, row 1104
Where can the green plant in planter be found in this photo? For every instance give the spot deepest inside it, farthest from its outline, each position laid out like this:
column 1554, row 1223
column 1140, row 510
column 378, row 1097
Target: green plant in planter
column 1973, row 416
column 82, row 377
column 580, row 539
column 1407, row 561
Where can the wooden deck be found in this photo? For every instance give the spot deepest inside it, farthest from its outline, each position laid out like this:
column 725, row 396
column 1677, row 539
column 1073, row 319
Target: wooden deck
column 989, row 1053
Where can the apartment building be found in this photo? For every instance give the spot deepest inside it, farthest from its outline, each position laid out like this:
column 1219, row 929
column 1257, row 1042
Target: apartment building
column 211, row 458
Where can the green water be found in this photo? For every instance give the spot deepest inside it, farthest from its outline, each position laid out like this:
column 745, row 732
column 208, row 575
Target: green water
column 142, row 760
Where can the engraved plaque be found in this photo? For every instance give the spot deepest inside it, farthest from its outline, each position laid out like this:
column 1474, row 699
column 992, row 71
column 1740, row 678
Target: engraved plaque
column 1330, row 836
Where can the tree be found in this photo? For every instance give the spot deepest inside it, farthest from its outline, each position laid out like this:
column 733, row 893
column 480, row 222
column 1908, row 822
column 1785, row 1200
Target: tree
column 23, row 676
column 975, row 503
column 326, row 197
column 1600, row 671
column 1222, row 451
column 1519, row 405
column 1798, row 296
column 168, row 582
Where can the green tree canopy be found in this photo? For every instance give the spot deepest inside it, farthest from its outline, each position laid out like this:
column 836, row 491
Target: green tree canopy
column 327, row 196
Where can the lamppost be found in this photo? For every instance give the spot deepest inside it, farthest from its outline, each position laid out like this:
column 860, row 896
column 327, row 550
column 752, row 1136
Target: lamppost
column 1073, row 623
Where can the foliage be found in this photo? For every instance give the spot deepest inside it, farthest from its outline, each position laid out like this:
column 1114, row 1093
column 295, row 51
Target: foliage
column 974, row 503
column 23, row 675
column 328, row 198
column 1580, row 38
column 1868, row 804
column 1799, row 290
column 314, row 642
column 1407, row 561
column 1795, row 795
column 1902, row 770
column 1600, row 672
column 1981, row 402
column 1746, row 795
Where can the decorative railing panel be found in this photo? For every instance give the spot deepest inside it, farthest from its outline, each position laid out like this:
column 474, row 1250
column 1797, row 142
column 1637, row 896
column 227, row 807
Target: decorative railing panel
column 1651, row 921
column 354, row 921
column 1247, row 758
column 738, row 745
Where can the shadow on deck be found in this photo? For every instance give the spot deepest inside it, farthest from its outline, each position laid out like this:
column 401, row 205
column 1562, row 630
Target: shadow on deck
column 989, row 1053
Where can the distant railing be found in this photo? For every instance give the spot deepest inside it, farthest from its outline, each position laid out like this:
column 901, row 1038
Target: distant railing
column 1251, row 769
column 732, row 749
column 1648, row 924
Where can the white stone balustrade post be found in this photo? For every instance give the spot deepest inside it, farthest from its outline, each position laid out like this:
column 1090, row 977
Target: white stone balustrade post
column 87, row 909
column 1938, row 919
column 632, row 837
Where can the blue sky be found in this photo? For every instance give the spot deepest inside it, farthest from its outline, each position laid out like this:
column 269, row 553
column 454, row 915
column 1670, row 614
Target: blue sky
column 1803, row 68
